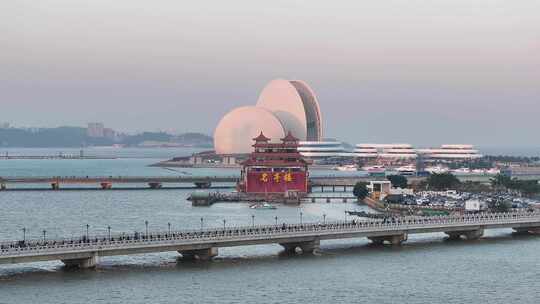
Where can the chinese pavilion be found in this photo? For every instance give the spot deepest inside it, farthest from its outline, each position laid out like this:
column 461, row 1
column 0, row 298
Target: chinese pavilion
column 274, row 168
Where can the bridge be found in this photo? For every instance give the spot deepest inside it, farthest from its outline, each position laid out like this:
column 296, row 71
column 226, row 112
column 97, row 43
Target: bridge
column 328, row 183
column 107, row 182
column 203, row 244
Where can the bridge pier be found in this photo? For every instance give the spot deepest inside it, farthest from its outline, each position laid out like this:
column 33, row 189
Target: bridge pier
column 394, row 240
column 203, row 185
column 306, row 247
column 3, row 186
column 154, row 185
column 469, row 235
column 199, row 254
column 106, row 185
column 55, row 186
column 83, row 263
column 527, row 230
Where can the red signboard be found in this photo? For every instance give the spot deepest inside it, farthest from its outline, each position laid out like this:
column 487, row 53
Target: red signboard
column 276, row 182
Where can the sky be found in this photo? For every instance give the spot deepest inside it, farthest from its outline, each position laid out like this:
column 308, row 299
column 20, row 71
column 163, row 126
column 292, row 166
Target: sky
column 422, row 72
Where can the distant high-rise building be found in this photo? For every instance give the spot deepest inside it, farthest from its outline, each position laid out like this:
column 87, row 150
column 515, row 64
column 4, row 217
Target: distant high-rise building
column 95, row 129
column 4, row 125
column 109, row 133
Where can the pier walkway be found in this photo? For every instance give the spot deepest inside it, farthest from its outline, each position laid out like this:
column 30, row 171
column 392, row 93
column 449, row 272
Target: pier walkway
column 203, row 244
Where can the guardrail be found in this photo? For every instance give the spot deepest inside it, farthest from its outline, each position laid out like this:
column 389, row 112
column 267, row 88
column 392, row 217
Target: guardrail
column 259, row 232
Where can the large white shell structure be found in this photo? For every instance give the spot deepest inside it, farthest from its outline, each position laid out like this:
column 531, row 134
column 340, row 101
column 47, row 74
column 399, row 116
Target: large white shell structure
column 296, row 106
column 236, row 130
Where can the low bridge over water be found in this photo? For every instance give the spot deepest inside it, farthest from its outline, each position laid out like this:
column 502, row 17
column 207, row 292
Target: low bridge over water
column 329, row 183
column 107, row 182
column 203, row 244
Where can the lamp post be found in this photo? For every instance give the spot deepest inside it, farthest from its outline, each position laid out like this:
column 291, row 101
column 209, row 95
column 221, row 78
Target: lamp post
column 202, row 223
column 146, row 224
column 24, row 234
column 276, row 218
column 87, row 232
column 253, row 220
column 324, row 218
column 109, row 232
column 44, row 235
column 169, row 225
column 301, row 217
column 224, row 223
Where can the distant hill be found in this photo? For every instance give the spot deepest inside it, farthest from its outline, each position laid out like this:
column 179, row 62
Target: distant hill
column 77, row 137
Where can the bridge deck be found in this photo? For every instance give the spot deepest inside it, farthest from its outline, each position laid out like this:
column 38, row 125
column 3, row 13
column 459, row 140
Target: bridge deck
column 66, row 249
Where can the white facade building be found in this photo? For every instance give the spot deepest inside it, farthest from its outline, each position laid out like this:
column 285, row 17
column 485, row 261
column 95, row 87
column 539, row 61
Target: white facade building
column 450, row 152
column 407, row 151
column 323, row 149
column 390, row 151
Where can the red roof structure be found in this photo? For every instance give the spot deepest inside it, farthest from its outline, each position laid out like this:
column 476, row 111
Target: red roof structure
column 261, row 138
column 289, row 138
column 274, row 168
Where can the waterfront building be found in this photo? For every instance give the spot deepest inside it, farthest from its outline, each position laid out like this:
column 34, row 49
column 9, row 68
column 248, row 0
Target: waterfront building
column 385, row 151
column 283, row 106
column 406, row 152
column 274, row 168
column 450, row 153
column 323, row 150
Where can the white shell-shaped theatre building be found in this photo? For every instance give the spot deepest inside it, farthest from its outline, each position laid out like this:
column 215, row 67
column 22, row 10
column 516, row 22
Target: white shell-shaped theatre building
column 283, row 106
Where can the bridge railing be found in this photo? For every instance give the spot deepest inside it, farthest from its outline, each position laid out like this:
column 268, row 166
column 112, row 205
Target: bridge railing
column 34, row 247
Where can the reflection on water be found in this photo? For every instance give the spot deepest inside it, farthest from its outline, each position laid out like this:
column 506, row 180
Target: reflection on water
column 499, row 268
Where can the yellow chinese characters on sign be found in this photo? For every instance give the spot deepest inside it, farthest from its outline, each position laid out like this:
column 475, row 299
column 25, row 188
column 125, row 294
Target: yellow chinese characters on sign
column 288, row 177
column 264, row 177
column 277, row 178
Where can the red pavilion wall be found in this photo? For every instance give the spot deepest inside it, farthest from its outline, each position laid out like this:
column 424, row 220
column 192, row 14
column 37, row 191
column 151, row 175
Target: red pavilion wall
column 269, row 182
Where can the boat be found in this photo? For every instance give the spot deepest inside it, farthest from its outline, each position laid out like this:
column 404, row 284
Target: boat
column 263, row 205
column 407, row 170
column 461, row 171
column 437, row 169
column 347, row 168
column 375, row 169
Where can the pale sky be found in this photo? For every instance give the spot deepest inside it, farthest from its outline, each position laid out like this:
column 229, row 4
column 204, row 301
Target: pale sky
column 423, row 72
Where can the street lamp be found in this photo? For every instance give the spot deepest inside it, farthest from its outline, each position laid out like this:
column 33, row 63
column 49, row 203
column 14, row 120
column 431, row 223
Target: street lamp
column 146, row 224
column 24, row 234
column 276, row 220
column 169, row 224
column 44, row 235
column 202, row 223
column 87, row 232
column 300, row 217
column 324, row 218
column 253, row 220
column 109, row 230
column 224, row 223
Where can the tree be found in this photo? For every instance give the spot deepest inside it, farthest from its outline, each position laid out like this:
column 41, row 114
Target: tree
column 499, row 205
column 501, row 180
column 442, row 181
column 524, row 186
column 398, row 181
column 360, row 190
